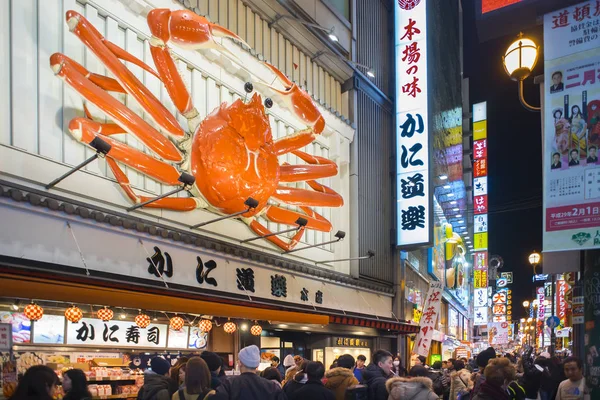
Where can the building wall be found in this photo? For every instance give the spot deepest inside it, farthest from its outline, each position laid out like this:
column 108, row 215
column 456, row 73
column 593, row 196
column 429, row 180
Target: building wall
column 36, row 106
column 374, row 142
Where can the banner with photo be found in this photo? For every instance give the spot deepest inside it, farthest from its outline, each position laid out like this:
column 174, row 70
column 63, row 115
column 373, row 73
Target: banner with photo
column 572, row 128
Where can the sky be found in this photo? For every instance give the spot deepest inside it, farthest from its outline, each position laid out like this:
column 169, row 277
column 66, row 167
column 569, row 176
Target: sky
column 514, row 155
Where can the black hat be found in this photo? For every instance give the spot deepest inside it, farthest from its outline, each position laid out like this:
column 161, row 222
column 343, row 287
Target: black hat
column 213, row 360
column 160, row 366
column 485, row 356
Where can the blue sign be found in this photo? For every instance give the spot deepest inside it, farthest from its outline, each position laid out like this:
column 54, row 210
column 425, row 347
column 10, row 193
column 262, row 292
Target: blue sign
column 552, row 322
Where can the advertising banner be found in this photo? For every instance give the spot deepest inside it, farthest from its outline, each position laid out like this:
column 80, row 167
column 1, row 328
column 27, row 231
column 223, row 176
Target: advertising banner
column 412, row 130
column 116, row 334
column 431, row 311
column 572, row 128
column 498, row 333
column 480, row 316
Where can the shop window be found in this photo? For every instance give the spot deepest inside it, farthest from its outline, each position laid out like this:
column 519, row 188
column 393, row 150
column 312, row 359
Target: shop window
column 341, row 6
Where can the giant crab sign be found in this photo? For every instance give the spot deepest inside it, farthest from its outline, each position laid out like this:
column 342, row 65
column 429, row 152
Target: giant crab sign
column 231, row 153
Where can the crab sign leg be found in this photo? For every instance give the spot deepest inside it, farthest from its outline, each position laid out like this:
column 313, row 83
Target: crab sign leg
column 300, row 103
column 187, row 30
column 289, row 217
column 321, row 168
column 132, row 123
column 169, row 203
column 90, row 36
column 323, row 197
column 261, row 230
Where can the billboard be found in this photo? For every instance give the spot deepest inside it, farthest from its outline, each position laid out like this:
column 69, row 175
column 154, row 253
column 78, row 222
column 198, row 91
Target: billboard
column 415, row 209
column 572, row 128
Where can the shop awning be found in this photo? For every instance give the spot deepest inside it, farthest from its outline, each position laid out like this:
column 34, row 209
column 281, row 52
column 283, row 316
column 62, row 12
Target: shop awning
column 391, row 325
column 47, row 289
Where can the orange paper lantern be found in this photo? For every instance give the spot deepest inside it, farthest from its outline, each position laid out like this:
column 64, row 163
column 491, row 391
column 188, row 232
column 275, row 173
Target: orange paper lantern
column 229, row 327
column 143, row 320
column 73, row 314
column 205, row 325
column 33, row 312
column 176, row 323
column 256, row 330
column 105, row 314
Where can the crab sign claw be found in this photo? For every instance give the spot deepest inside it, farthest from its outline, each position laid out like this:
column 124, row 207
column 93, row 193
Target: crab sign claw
column 297, row 101
column 187, row 30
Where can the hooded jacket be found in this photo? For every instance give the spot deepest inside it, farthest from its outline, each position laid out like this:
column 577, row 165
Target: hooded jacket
column 338, row 380
column 156, row 387
column 249, row 386
column 460, row 380
column 417, row 388
column 375, row 379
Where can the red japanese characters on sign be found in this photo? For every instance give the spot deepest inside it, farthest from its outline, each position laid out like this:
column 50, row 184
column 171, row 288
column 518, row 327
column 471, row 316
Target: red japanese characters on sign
column 480, row 204
column 480, row 149
column 581, row 13
column 481, row 262
column 480, row 168
column 561, row 306
column 429, row 319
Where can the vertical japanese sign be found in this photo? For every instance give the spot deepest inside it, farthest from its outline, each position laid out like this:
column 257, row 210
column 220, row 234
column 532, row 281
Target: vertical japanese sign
column 429, row 318
column 5, row 337
column 414, row 211
column 541, row 297
column 561, row 301
column 572, row 127
column 480, row 217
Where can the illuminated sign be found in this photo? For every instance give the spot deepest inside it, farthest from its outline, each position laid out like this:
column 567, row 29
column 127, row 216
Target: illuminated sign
column 493, row 5
column 414, row 225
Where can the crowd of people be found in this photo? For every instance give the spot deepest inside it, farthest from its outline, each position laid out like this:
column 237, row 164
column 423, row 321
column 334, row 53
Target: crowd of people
column 487, row 377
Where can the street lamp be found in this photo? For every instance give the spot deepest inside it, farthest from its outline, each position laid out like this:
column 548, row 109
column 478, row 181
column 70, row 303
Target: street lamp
column 519, row 60
column 526, row 304
column 534, row 260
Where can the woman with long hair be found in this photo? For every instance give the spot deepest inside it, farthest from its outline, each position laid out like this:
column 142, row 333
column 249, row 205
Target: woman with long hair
column 38, row 383
column 177, row 373
column 197, row 381
column 75, row 385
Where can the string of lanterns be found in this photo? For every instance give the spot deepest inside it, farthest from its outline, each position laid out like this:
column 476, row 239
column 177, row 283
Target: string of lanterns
column 74, row 314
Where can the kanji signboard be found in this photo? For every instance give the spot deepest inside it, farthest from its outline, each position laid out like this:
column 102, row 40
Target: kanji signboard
column 429, row 318
column 414, row 225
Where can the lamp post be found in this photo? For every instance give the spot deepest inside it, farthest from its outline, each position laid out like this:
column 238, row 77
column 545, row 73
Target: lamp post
column 534, row 260
column 519, row 60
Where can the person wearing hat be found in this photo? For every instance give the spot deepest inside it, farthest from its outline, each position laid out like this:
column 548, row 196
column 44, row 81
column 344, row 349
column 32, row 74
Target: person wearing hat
column 157, row 384
column 248, row 385
column 482, row 361
column 215, row 363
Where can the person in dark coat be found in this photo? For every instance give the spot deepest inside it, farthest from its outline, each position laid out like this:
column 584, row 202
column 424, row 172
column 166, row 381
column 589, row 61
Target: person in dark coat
column 499, row 373
column 377, row 373
column 313, row 389
column 215, row 364
column 38, row 383
column 482, row 361
column 298, row 380
column 157, row 384
column 275, row 363
column 248, row 385
column 75, row 385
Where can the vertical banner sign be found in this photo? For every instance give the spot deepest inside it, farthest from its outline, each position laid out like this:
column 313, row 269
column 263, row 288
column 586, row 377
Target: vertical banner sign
column 572, row 128
column 429, row 318
column 480, row 218
column 591, row 290
column 412, row 129
column 561, row 301
column 541, row 297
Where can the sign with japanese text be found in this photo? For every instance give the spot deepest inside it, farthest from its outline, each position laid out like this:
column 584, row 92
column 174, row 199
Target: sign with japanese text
column 561, row 302
column 480, row 186
column 541, row 297
column 498, row 333
column 480, row 204
column 480, row 316
column 116, row 334
column 350, row 342
column 429, row 319
column 481, row 224
column 5, row 337
column 480, row 149
column 481, row 262
column 414, row 225
column 480, row 241
column 480, row 298
column 572, row 127
column 508, row 276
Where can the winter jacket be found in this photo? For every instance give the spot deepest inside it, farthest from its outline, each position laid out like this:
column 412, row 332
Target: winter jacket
column 338, row 380
column 460, row 380
column 491, row 392
column 215, row 382
column 248, row 386
column 417, row 388
column 293, row 386
column 312, row 390
column 375, row 378
column 156, row 387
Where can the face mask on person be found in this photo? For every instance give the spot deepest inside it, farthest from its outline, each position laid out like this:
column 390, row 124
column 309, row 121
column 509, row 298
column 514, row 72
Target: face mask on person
column 396, row 363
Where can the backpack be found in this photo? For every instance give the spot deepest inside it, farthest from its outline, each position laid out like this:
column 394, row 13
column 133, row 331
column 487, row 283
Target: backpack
column 438, row 384
column 200, row 396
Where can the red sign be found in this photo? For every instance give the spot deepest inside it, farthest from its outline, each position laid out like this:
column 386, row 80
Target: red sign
column 480, row 149
column 573, row 217
column 480, row 204
column 561, row 290
column 492, row 5
column 480, row 168
column 481, row 261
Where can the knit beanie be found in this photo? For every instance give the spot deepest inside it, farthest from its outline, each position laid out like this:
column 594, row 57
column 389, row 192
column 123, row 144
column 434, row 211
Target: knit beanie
column 213, row 360
column 160, row 366
column 250, row 356
column 485, row 356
